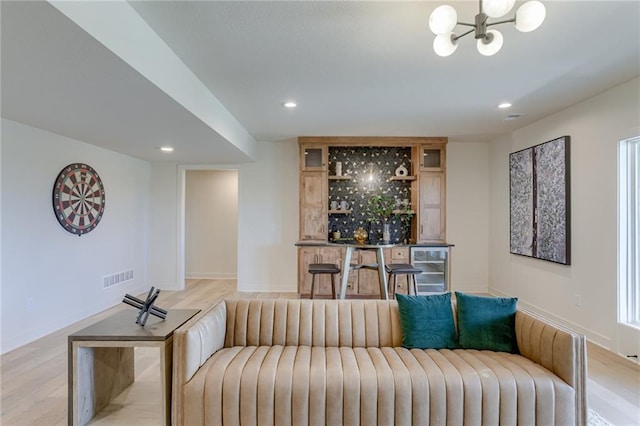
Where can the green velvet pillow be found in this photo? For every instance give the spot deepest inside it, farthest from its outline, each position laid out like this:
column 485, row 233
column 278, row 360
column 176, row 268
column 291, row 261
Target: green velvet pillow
column 427, row 321
column 486, row 322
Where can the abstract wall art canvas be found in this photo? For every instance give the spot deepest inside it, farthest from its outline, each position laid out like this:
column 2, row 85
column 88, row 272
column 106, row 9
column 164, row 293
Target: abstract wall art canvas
column 539, row 201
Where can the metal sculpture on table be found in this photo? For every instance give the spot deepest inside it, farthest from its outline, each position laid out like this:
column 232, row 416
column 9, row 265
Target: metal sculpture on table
column 146, row 306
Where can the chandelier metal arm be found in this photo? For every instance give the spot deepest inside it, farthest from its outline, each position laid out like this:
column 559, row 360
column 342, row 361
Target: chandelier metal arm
column 501, row 22
column 454, row 38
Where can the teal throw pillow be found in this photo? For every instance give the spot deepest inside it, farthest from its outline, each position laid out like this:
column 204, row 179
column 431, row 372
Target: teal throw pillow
column 486, row 322
column 427, row 321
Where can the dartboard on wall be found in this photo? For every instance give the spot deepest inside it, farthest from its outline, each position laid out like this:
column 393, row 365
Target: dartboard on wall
column 78, row 198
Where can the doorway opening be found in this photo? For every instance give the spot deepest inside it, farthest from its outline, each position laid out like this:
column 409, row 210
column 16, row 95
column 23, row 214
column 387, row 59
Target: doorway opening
column 208, row 224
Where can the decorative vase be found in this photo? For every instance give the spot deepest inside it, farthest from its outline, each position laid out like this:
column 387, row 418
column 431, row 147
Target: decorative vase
column 402, row 171
column 360, row 235
column 386, row 233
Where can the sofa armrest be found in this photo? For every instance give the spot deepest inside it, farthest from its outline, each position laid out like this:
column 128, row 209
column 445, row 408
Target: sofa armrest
column 559, row 350
column 193, row 344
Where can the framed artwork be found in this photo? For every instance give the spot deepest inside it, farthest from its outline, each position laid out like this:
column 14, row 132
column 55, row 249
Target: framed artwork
column 78, row 198
column 539, row 201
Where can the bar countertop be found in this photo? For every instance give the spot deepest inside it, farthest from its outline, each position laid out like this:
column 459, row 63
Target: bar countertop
column 350, row 241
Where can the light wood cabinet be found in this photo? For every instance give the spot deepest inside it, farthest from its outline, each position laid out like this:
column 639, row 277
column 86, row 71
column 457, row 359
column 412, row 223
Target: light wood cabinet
column 432, row 214
column 309, row 255
column 432, row 158
column 313, row 158
column 352, row 282
column 368, row 280
column 313, row 206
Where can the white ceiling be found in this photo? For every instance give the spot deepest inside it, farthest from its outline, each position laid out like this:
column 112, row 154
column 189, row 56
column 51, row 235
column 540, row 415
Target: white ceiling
column 354, row 68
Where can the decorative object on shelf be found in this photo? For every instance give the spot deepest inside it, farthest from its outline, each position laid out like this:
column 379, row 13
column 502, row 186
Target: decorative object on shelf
column 146, row 306
column 444, row 19
column 78, row 198
column 339, row 168
column 360, row 235
column 382, row 208
column 402, row 171
column 344, row 205
column 334, row 205
column 539, row 201
column 386, row 232
column 336, row 234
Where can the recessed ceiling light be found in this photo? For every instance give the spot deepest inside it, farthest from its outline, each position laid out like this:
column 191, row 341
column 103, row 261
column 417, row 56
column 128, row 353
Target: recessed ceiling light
column 289, row 104
column 504, row 105
column 166, row 149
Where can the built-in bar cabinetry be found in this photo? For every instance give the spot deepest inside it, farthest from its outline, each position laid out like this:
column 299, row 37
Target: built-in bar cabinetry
column 315, row 254
column 362, row 282
column 335, row 185
column 423, row 185
column 313, row 193
column 432, row 186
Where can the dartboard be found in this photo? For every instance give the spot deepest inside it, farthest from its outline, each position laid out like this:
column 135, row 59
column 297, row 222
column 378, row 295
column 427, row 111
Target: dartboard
column 78, row 198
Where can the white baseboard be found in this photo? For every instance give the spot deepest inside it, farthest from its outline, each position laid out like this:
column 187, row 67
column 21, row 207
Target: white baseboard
column 210, row 276
column 471, row 290
column 595, row 337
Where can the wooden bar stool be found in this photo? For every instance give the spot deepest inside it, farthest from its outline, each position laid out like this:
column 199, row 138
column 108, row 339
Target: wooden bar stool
column 395, row 269
column 324, row 268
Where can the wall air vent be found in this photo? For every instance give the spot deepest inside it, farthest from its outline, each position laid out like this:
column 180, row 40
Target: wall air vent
column 117, row 278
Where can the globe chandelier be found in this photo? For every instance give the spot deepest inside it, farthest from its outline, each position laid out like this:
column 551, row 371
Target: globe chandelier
column 444, row 19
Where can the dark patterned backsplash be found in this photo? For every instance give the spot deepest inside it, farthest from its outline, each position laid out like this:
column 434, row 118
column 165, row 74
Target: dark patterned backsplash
column 357, row 191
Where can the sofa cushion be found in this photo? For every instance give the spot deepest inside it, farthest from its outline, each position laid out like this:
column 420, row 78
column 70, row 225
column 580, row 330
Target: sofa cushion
column 486, row 322
column 294, row 385
column 427, row 321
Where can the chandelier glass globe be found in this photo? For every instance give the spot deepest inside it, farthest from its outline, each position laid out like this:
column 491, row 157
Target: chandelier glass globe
column 490, row 45
column 497, row 8
column 444, row 44
column 530, row 16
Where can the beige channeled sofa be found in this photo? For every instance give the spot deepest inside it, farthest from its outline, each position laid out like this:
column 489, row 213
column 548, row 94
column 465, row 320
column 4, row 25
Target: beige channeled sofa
column 328, row 362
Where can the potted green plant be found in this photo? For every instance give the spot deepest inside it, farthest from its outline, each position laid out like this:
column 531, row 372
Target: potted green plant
column 383, row 208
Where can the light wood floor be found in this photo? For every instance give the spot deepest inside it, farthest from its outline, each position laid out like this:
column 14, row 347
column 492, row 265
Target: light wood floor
column 34, row 376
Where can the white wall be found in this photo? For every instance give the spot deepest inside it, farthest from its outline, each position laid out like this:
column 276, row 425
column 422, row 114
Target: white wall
column 595, row 127
column 51, row 278
column 468, row 215
column 163, row 234
column 267, row 219
column 211, row 224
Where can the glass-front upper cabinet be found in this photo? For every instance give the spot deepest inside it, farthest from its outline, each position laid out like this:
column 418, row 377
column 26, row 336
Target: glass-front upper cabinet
column 432, row 157
column 313, row 158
